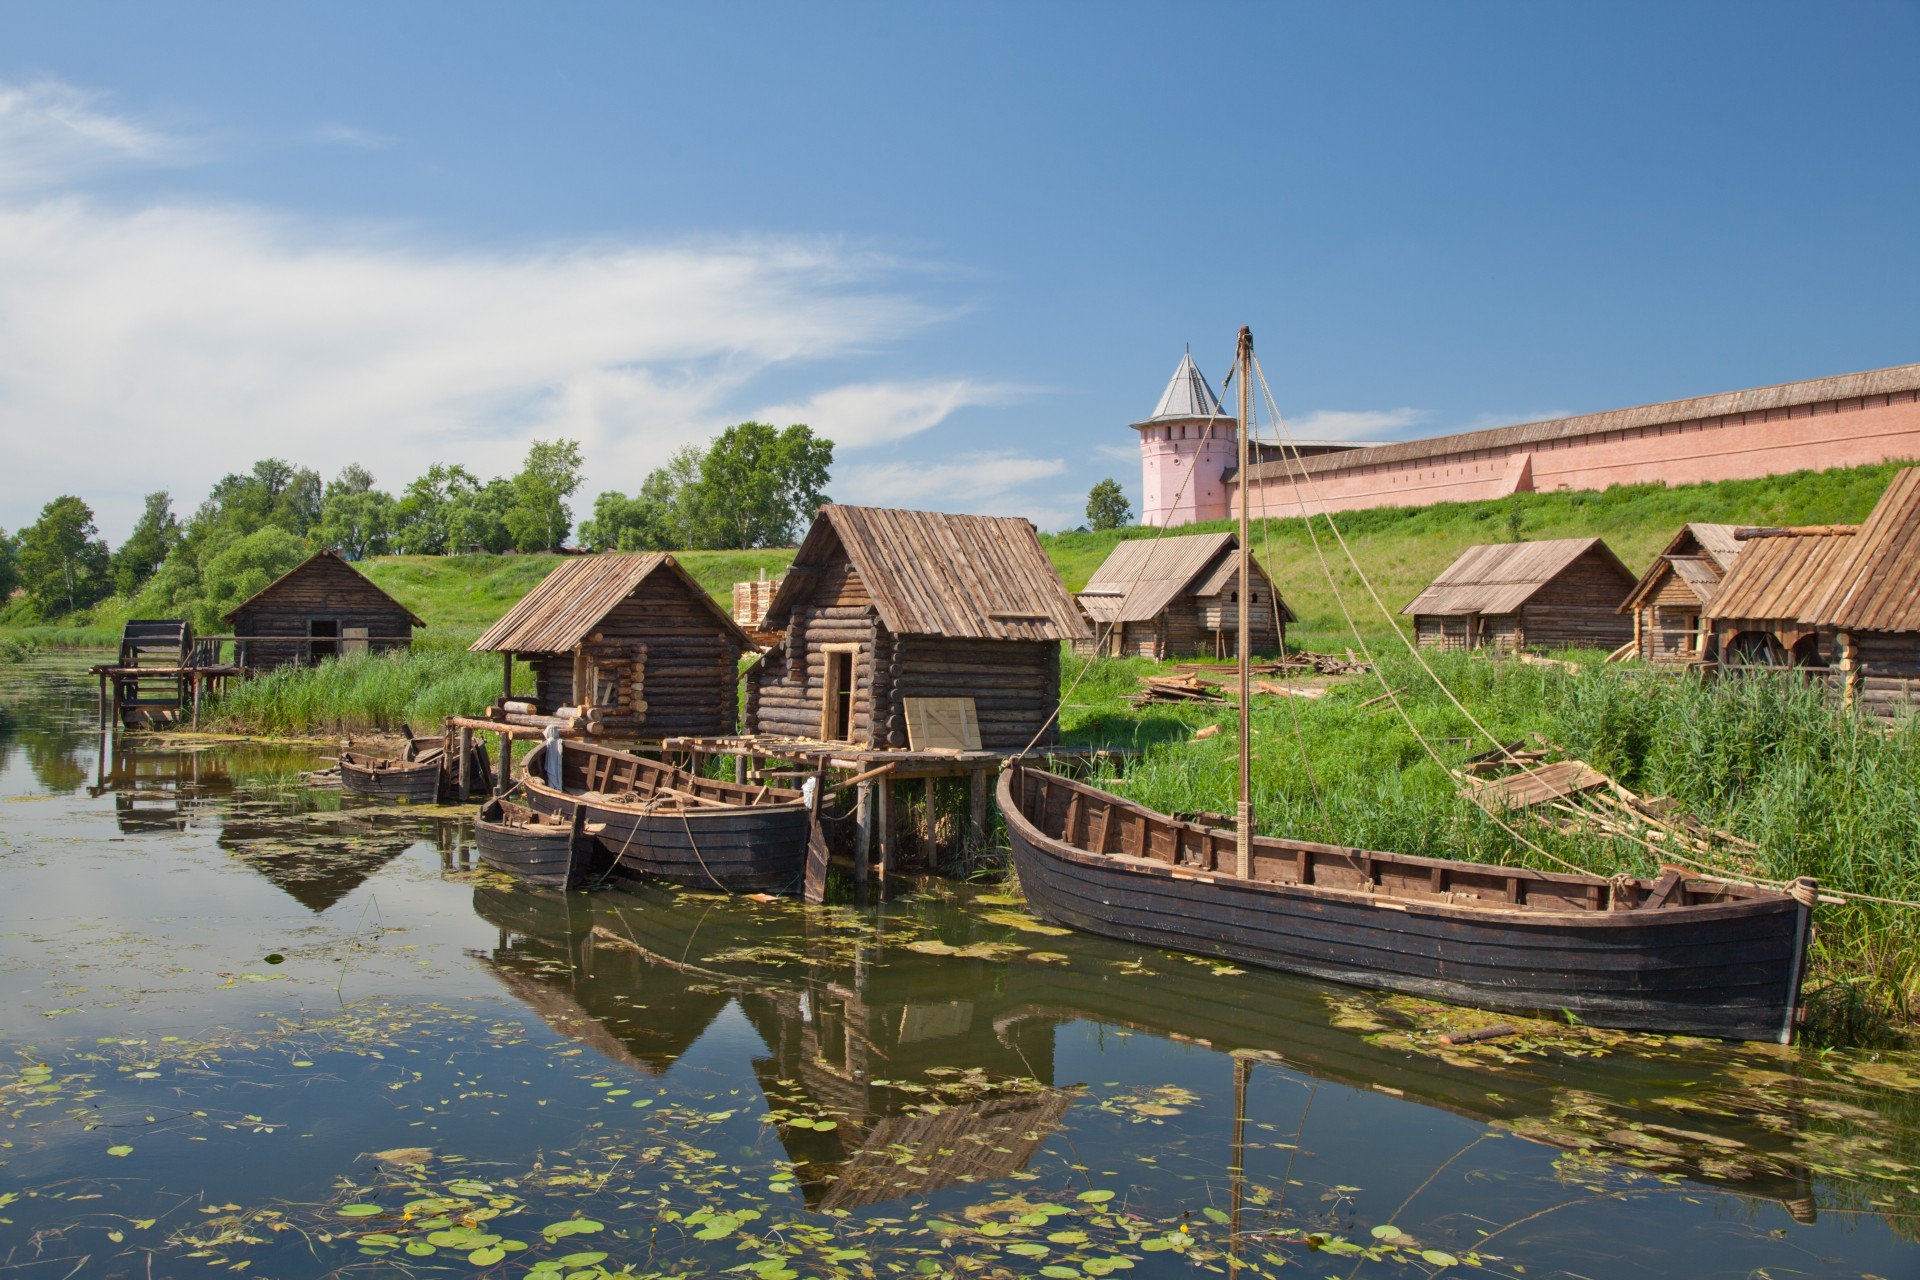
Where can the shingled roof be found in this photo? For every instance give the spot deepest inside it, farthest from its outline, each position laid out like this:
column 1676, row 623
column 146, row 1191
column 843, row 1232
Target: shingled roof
column 1139, row 578
column 1500, row 577
column 934, row 574
column 323, row 562
column 1700, row 555
column 1782, row 573
column 1877, row 588
column 567, row 604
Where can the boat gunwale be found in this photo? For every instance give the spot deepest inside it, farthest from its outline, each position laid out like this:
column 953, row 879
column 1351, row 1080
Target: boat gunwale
column 533, row 779
column 540, row 787
column 1749, row 903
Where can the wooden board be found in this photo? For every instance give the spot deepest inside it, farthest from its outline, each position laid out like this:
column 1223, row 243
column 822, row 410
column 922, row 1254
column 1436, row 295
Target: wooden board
column 1537, row 786
column 942, row 724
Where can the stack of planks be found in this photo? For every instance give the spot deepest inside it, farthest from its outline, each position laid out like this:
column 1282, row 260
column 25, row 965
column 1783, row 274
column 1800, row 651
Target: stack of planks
column 1187, row 688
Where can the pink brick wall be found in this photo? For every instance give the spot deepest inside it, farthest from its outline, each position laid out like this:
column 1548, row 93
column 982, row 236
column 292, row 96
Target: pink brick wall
column 1807, row 437
column 1169, row 453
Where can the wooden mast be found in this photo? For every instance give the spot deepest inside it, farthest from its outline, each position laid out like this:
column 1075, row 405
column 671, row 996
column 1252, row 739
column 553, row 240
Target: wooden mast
column 1243, row 824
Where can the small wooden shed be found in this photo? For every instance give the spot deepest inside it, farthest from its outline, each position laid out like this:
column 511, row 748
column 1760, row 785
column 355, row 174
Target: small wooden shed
column 883, row 608
column 1759, row 615
column 321, row 608
column 1560, row 594
column 1179, row 597
column 1872, row 604
column 1669, row 604
column 630, row 641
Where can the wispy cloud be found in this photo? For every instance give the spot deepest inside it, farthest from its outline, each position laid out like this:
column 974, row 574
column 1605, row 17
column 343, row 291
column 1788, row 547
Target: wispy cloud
column 1357, row 424
column 985, row 483
column 342, row 135
column 52, row 133
column 864, row 414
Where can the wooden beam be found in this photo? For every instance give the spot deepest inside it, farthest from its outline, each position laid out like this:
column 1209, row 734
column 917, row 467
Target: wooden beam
column 976, row 809
column 862, row 832
column 883, row 820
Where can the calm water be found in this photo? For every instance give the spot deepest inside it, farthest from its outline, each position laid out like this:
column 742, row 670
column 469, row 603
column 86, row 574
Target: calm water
column 249, row 1029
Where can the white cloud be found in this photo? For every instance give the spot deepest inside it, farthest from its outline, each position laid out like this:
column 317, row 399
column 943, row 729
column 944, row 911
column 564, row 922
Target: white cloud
column 1356, row 424
column 156, row 347
column 343, row 135
column 52, row 133
column 861, row 415
column 980, row 483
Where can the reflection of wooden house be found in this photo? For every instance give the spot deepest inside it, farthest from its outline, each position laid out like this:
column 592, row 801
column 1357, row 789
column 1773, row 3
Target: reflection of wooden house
column 883, row 607
column 1670, row 601
column 1757, row 617
column 1179, row 597
column 1560, row 594
column 321, row 608
column 631, row 640
column 1872, row 604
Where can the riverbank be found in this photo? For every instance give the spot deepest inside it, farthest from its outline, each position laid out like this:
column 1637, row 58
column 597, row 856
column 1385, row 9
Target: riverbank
column 1817, row 791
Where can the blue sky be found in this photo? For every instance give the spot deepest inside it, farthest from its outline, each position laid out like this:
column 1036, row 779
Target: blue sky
column 966, row 242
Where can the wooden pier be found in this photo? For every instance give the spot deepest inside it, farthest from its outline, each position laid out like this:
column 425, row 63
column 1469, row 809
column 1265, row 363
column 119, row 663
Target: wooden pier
column 161, row 676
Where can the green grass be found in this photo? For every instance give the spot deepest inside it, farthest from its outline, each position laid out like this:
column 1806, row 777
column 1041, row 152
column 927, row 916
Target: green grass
column 374, row 691
column 1822, row 793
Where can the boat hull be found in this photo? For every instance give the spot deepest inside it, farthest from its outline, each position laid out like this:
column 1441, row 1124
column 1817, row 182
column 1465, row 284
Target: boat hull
column 405, row 783
column 558, row 852
column 739, row 848
column 1727, row 969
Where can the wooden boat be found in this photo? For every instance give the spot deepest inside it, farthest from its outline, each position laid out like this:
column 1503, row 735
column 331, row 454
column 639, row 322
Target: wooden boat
column 1684, row 954
column 659, row 820
column 542, row 848
column 393, row 781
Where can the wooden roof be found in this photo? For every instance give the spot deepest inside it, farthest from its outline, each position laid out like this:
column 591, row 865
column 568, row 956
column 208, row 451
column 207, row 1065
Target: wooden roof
column 1878, row 587
column 1710, row 550
column 1848, row 386
column 567, row 604
column 1500, row 577
column 1781, row 573
column 322, row 562
column 934, row 574
column 1139, row 578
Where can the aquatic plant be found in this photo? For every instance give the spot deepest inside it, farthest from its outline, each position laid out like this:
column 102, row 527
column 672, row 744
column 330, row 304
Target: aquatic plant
column 366, row 691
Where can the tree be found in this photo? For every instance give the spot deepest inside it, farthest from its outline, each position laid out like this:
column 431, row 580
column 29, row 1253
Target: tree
column 757, row 484
column 357, row 525
column 147, row 547
column 1107, row 506
column 242, row 568
column 539, row 518
column 477, row 519
column 63, row 561
column 421, row 513
column 621, row 523
column 9, row 566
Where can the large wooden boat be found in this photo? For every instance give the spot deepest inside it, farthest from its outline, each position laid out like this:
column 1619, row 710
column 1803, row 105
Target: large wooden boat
column 541, row 848
column 1683, row 954
column 659, row 820
column 390, row 780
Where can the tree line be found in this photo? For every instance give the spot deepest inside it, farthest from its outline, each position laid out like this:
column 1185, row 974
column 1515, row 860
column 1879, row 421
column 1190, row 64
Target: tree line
column 750, row 487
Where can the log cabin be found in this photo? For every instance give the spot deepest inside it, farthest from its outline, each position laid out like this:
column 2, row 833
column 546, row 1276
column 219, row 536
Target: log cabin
column 883, row 607
column 1759, row 614
column 1669, row 603
column 1559, row 594
column 630, row 642
column 321, row 608
column 1179, row 597
column 1872, row 605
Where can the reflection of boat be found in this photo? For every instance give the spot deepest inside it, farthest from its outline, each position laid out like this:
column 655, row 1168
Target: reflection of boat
column 384, row 778
column 543, row 848
column 659, row 820
column 1699, row 957
column 1691, row 955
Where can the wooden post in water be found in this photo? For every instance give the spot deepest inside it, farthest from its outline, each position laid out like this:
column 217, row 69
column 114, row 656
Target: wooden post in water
column 977, row 809
column 466, row 762
column 862, row 833
column 1243, row 823
column 503, row 781
column 932, row 845
column 1238, row 1170
column 883, row 820
column 196, row 702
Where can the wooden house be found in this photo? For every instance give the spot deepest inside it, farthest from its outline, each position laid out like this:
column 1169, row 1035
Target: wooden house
column 1179, row 597
column 1872, row 605
column 1669, row 604
column 1560, row 594
column 321, row 608
column 630, row 642
column 1759, row 613
column 884, row 611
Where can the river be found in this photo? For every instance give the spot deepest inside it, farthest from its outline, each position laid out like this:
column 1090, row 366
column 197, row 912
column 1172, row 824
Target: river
column 251, row 1029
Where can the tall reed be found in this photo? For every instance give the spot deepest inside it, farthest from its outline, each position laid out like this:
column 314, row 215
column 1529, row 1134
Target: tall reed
column 366, row 691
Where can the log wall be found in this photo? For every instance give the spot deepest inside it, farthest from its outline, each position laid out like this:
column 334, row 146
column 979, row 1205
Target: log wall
column 1578, row 609
column 1882, row 670
column 323, row 590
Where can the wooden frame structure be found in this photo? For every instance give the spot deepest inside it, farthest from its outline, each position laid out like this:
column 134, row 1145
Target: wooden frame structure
column 1669, row 603
column 1560, row 594
column 1872, row 604
column 1175, row 597
column 321, row 608
column 1759, row 615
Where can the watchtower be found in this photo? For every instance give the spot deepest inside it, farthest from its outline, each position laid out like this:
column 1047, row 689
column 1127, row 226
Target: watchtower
column 1186, row 449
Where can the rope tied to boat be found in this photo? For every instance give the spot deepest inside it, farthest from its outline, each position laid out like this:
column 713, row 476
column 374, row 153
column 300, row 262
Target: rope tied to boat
column 1805, row 891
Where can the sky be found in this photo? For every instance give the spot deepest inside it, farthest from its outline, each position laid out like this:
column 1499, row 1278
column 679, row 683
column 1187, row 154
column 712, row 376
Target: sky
column 967, row 243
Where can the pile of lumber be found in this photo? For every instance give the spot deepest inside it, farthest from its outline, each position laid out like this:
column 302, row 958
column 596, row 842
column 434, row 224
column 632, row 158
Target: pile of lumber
column 1187, row 688
column 1319, row 664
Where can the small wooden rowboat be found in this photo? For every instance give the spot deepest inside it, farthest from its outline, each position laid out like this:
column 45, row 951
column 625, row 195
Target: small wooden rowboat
column 1680, row 955
column 659, row 820
column 542, row 848
column 394, row 781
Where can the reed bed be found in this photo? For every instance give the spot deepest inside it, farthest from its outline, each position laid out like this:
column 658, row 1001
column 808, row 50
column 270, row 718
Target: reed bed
column 368, row 691
column 1770, row 759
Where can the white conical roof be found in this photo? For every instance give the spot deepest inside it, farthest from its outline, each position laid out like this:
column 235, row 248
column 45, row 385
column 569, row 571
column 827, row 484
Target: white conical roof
column 1187, row 394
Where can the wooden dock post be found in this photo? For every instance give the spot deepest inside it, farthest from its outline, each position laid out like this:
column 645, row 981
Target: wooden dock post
column 466, row 763
column 862, row 832
column 103, row 701
column 504, row 780
column 932, row 842
column 883, row 819
column 740, row 769
column 976, row 809
column 196, row 701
